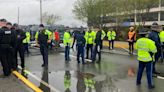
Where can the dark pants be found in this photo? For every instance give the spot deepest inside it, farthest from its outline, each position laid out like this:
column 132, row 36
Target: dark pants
column 74, row 39
column 26, row 47
column 44, row 52
column 13, row 59
column 5, row 58
column 141, row 67
column 101, row 45
column 20, row 49
column 80, row 53
column 95, row 52
column 111, row 42
column 67, row 52
column 157, row 56
column 89, row 48
column 162, row 53
column 131, row 47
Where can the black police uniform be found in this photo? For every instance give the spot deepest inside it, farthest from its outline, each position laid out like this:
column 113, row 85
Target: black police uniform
column 19, row 46
column 7, row 43
column 97, row 47
column 42, row 40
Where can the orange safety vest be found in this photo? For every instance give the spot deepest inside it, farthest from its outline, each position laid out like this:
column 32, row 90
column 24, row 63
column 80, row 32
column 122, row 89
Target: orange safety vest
column 132, row 36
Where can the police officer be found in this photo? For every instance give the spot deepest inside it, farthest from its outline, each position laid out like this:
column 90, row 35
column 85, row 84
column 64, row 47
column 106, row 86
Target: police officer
column 7, row 42
column 98, row 44
column 89, row 36
column 12, row 54
column 19, row 45
column 80, row 43
column 161, row 35
column 67, row 43
column 154, row 35
column 111, row 37
column 43, row 38
column 146, row 50
column 26, row 42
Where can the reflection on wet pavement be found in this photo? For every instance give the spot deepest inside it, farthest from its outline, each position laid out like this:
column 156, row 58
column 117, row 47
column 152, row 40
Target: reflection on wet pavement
column 45, row 79
column 78, row 81
column 115, row 73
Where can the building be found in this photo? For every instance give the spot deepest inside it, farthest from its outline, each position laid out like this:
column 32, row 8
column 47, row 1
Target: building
column 156, row 14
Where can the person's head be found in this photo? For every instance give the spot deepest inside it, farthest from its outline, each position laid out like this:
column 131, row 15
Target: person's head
column 89, row 29
column 3, row 22
column 67, row 29
column 131, row 29
column 156, row 27
column 97, row 28
column 9, row 25
column 143, row 33
column 41, row 27
column 15, row 26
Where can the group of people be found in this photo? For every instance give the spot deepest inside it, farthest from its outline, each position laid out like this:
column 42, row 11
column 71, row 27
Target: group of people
column 92, row 40
column 12, row 40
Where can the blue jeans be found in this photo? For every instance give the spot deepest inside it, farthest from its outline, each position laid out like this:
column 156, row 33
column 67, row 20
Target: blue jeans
column 67, row 52
column 80, row 52
column 141, row 67
column 44, row 52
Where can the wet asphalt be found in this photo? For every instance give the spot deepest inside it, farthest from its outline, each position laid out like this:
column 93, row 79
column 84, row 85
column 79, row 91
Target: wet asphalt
column 111, row 75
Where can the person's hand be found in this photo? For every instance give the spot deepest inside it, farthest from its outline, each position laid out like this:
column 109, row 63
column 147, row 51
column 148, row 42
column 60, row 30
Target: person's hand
column 37, row 45
column 18, row 36
column 49, row 41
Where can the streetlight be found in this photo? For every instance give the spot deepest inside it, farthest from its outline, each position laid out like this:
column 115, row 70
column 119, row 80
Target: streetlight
column 41, row 20
column 18, row 16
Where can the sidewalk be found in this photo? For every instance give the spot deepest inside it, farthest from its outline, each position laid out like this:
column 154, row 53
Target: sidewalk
column 12, row 84
column 118, row 44
column 120, row 47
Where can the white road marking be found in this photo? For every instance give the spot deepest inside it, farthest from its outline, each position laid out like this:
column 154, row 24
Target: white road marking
column 127, row 50
column 160, row 77
column 76, row 57
column 40, row 80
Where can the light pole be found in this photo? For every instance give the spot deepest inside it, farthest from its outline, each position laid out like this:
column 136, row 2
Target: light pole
column 41, row 20
column 18, row 16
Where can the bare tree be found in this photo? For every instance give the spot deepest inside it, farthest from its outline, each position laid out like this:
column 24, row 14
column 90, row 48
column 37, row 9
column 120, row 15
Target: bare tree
column 50, row 19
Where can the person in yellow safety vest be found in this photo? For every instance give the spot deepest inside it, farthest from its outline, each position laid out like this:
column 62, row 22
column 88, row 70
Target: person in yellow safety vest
column 67, row 43
column 89, row 83
column 161, row 35
column 89, row 36
column 146, row 49
column 26, row 42
column 43, row 37
column 67, row 81
column 111, row 37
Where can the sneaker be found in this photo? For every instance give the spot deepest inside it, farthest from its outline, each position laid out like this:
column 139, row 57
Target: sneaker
column 43, row 65
column 155, row 72
column 151, row 87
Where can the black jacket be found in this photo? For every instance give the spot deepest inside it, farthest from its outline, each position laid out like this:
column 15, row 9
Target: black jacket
column 20, row 36
column 7, row 38
column 98, row 38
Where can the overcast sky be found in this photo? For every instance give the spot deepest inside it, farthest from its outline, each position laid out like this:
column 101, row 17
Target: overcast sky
column 29, row 11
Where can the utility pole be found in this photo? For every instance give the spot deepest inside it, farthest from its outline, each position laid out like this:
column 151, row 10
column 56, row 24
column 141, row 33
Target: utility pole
column 41, row 20
column 18, row 15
